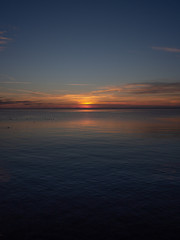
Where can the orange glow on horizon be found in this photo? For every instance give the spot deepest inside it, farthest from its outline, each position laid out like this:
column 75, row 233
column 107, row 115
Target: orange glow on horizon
column 86, row 102
column 86, row 105
column 105, row 98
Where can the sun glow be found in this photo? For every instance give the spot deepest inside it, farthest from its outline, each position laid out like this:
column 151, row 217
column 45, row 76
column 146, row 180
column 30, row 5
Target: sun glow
column 86, row 103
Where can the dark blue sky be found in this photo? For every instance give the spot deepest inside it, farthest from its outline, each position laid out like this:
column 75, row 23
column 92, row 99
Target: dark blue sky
column 81, row 46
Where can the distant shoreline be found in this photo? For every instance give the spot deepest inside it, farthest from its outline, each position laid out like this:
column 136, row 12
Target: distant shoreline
column 128, row 108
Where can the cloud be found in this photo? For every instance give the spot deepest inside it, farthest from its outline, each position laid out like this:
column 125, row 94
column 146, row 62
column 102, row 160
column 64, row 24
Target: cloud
column 4, row 40
column 31, row 92
column 77, row 84
column 167, row 49
column 2, row 48
column 15, row 82
column 108, row 90
column 6, row 79
column 7, row 102
column 153, row 88
column 142, row 88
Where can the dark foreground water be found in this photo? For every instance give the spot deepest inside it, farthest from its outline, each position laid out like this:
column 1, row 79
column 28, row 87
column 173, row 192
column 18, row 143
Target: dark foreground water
column 89, row 174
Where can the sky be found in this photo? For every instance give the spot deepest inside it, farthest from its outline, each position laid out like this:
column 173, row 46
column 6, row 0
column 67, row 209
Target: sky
column 89, row 54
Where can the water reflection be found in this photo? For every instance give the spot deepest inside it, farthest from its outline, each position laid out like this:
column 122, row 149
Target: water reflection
column 67, row 165
column 4, row 175
column 139, row 121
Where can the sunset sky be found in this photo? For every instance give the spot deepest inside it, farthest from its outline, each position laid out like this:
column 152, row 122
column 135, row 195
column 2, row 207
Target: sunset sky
column 83, row 54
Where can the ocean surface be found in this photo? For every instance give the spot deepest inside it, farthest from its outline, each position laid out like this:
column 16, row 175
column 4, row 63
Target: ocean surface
column 89, row 174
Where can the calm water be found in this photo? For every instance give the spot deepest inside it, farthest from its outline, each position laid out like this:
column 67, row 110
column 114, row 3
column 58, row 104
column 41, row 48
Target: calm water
column 89, row 174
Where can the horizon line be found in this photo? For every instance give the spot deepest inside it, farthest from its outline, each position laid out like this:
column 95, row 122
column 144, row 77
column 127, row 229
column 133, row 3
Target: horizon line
column 85, row 108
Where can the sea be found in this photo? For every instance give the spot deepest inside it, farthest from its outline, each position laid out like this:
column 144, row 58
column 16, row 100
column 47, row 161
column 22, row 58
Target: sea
column 85, row 174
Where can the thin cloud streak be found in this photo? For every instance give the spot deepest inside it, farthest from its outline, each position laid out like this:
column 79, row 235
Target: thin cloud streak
column 6, row 102
column 15, row 82
column 78, row 84
column 4, row 77
column 143, row 88
column 110, row 90
column 167, row 49
column 4, row 40
column 2, row 48
column 31, row 92
column 153, row 88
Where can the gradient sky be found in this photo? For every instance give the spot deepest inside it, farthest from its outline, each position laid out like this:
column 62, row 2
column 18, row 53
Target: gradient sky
column 102, row 53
